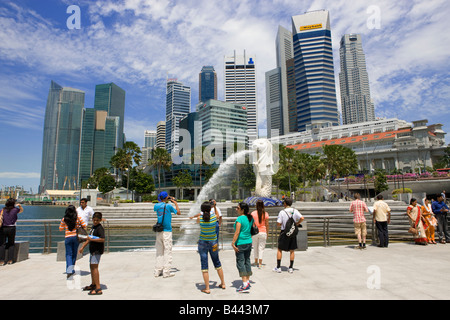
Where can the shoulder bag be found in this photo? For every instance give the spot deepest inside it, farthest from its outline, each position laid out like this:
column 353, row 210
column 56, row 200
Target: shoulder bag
column 254, row 229
column 158, row 227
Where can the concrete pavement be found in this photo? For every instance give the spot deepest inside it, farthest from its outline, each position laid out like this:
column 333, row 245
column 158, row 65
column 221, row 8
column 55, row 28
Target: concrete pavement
column 403, row 271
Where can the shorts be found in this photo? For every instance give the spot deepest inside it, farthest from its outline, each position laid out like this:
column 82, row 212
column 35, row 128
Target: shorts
column 360, row 229
column 95, row 258
column 287, row 244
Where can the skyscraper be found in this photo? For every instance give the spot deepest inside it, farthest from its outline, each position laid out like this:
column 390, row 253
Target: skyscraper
column 240, row 87
column 102, row 129
column 161, row 135
column 207, row 84
column 178, row 104
column 357, row 105
column 277, row 100
column 314, row 71
column 62, row 138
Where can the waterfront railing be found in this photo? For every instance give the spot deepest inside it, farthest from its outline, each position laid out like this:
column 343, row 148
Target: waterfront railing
column 136, row 234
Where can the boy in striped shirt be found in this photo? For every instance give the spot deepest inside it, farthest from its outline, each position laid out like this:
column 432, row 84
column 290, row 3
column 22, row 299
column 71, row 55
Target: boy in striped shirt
column 358, row 208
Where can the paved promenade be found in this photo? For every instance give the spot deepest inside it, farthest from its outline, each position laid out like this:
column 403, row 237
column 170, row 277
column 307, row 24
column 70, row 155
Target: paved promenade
column 403, row 271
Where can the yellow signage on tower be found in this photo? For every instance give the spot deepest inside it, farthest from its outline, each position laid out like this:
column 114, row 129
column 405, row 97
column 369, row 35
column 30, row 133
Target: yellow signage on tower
column 311, row 27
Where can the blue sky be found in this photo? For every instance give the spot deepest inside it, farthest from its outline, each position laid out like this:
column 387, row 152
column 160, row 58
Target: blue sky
column 137, row 44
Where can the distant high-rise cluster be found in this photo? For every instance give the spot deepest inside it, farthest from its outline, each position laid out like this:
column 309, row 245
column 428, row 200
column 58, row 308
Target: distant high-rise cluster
column 301, row 90
column 79, row 140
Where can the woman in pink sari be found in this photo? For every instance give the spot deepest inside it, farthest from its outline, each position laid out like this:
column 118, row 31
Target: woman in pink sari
column 417, row 222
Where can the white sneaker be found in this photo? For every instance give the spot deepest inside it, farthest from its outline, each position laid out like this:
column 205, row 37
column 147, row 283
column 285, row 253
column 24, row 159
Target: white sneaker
column 277, row 270
column 290, row 270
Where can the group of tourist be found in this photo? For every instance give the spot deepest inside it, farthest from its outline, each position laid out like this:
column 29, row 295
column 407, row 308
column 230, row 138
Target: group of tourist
column 244, row 239
column 424, row 220
column 250, row 232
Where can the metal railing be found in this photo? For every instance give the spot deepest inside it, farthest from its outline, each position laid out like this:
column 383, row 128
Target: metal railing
column 137, row 233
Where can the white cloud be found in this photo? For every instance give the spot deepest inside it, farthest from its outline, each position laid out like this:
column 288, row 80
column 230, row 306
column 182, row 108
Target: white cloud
column 19, row 175
column 139, row 42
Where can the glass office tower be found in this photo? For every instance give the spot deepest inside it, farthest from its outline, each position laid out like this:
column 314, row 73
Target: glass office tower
column 178, row 105
column 314, row 71
column 62, row 138
column 357, row 106
column 102, row 129
column 207, row 84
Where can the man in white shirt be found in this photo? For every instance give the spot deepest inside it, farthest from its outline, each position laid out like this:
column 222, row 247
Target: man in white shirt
column 84, row 211
column 382, row 217
column 286, row 243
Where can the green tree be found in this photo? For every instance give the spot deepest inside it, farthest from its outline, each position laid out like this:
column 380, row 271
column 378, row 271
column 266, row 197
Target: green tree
column 183, row 180
column 380, row 182
column 106, row 184
column 161, row 160
column 141, row 182
column 94, row 180
column 287, row 163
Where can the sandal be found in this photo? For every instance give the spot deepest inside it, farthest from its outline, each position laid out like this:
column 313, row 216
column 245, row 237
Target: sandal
column 206, row 291
column 222, row 286
column 95, row 292
column 89, row 288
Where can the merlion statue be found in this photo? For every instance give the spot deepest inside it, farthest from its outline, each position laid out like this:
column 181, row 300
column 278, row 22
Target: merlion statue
column 263, row 164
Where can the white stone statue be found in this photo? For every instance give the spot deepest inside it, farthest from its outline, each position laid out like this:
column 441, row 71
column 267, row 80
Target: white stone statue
column 263, row 165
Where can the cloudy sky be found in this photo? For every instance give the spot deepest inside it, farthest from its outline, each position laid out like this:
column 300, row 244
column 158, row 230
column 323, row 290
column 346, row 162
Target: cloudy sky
column 137, row 44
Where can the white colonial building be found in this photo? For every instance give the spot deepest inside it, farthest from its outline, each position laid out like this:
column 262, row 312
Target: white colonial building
column 381, row 144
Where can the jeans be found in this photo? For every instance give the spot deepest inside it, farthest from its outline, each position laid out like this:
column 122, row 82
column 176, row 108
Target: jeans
column 243, row 263
column 211, row 247
column 7, row 233
column 71, row 244
column 442, row 228
column 382, row 227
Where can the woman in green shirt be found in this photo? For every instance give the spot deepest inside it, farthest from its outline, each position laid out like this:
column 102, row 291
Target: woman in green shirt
column 242, row 245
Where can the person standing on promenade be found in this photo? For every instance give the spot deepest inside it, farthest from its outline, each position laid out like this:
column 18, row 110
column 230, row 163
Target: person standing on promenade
column 84, row 211
column 8, row 218
column 70, row 223
column 358, row 208
column 416, row 219
column 164, row 212
column 431, row 221
column 261, row 218
column 215, row 210
column 440, row 210
column 208, row 244
column 382, row 217
column 96, row 241
column 242, row 245
column 285, row 242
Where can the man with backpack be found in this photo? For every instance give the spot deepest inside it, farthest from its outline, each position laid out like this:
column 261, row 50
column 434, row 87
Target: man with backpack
column 288, row 220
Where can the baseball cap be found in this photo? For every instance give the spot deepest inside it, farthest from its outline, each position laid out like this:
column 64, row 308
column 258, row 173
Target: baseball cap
column 162, row 196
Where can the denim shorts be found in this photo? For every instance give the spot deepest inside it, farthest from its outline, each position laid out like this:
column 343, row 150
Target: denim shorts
column 211, row 247
column 95, row 258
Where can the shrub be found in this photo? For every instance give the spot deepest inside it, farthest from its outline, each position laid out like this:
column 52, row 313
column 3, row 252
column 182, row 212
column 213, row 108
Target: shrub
column 401, row 190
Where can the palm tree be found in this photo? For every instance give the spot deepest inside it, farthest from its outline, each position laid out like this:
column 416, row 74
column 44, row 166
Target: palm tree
column 161, row 159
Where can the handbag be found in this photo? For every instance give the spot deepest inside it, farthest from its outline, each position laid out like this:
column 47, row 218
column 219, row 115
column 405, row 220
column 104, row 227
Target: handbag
column 82, row 234
column 158, row 227
column 254, row 229
column 413, row 231
column 1, row 218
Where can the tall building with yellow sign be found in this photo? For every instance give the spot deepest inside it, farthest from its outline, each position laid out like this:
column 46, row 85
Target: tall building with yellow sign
column 315, row 89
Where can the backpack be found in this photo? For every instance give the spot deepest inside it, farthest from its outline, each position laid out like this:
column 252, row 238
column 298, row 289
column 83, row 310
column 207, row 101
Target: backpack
column 290, row 229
